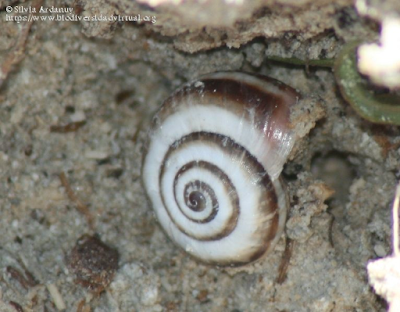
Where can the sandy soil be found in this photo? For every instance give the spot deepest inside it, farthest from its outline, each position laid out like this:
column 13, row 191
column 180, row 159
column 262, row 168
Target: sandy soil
column 76, row 98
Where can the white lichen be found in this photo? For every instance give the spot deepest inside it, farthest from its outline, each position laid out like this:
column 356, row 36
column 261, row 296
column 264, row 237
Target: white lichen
column 382, row 62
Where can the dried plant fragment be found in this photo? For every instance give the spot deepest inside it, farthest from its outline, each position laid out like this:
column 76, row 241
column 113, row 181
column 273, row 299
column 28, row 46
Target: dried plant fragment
column 16, row 306
column 70, row 127
column 26, row 281
column 81, row 207
column 285, row 261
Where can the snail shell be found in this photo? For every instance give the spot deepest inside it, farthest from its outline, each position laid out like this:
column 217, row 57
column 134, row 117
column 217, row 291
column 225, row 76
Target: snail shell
column 216, row 149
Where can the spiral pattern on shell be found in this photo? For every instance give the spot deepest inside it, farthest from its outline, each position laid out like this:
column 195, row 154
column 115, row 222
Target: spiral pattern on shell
column 216, row 149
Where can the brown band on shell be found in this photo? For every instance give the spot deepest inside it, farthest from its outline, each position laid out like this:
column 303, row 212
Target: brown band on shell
column 268, row 198
column 204, row 186
column 211, row 138
column 270, row 99
column 195, row 199
column 269, row 206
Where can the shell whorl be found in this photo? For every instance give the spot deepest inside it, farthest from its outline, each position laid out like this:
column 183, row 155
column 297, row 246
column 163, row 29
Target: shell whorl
column 216, row 149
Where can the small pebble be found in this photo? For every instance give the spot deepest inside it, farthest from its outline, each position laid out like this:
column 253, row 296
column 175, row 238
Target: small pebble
column 96, row 154
column 379, row 250
column 93, row 263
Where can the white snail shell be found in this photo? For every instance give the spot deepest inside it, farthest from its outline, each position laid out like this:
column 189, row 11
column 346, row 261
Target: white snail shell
column 216, row 149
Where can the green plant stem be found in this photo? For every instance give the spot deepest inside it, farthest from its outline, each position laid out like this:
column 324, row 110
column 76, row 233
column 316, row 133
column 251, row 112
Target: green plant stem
column 383, row 109
column 296, row 61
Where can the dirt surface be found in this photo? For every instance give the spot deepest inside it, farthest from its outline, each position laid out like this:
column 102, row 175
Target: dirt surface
column 76, row 98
